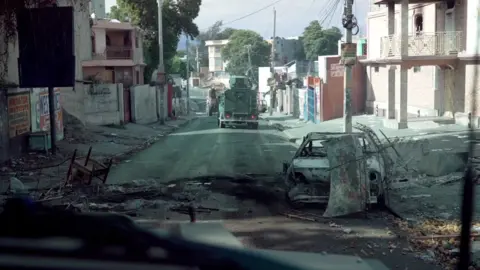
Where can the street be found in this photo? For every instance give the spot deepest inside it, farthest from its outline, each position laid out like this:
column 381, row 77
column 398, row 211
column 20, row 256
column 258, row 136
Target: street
column 203, row 151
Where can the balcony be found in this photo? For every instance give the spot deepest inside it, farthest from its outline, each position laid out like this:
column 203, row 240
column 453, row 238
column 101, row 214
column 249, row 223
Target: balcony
column 115, row 53
column 424, row 44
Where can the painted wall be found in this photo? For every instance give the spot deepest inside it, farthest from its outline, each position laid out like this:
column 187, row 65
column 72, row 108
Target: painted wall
column 40, row 114
column 103, row 104
column 143, row 104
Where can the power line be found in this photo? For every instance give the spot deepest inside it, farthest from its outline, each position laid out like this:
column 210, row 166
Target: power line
column 335, row 9
column 253, row 13
column 329, row 11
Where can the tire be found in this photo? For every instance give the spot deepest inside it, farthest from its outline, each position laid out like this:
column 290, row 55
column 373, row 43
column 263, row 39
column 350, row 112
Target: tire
column 292, row 204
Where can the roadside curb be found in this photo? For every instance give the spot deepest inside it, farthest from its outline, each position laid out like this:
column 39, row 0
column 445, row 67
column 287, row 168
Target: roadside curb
column 426, row 135
column 283, row 129
column 149, row 142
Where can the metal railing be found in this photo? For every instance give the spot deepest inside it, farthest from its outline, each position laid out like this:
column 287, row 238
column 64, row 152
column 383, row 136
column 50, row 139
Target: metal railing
column 114, row 53
column 423, row 44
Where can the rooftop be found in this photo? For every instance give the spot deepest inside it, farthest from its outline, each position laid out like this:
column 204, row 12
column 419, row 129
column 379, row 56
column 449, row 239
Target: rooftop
column 216, row 42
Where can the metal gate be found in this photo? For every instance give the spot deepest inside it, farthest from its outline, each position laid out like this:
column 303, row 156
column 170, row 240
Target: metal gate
column 127, row 104
column 311, row 104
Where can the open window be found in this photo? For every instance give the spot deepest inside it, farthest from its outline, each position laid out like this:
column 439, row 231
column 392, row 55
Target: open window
column 314, row 148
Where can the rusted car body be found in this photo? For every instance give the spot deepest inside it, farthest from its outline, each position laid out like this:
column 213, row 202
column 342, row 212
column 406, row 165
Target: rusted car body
column 344, row 171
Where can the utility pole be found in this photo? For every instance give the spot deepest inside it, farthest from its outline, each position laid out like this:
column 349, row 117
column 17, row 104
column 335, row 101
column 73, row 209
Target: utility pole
column 347, row 78
column 161, row 65
column 249, row 48
column 197, row 59
column 188, row 74
column 250, row 68
column 272, row 67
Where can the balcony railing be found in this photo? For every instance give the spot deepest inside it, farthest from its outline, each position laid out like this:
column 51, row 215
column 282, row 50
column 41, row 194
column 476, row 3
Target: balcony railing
column 114, row 53
column 423, row 44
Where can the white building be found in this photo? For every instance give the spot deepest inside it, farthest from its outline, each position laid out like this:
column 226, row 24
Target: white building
column 420, row 59
column 215, row 59
column 286, row 49
column 98, row 7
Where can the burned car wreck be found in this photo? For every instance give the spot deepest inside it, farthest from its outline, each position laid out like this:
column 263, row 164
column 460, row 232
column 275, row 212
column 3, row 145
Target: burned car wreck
column 344, row 171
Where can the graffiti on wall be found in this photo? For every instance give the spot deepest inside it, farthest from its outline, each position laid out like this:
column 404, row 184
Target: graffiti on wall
column 18, row 114
column 43, row 113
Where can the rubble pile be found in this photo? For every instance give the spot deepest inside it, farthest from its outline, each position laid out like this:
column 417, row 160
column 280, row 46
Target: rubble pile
column 439, row 241
column 145, row 198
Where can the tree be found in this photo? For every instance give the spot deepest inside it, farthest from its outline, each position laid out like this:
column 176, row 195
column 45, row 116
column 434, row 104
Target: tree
column 178, row 19
column 236, row 53
column 318, row 41
column 179, row 66
column 214, row 32
column 118, row 13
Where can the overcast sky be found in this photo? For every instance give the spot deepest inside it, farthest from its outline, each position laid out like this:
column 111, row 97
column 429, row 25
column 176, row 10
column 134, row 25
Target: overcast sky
column 292, row 15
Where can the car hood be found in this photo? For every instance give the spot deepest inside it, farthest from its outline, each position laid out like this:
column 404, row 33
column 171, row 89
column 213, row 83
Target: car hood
column 214, row 233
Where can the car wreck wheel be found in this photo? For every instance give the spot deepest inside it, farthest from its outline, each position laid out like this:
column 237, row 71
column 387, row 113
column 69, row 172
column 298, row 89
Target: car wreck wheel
column 293, row 204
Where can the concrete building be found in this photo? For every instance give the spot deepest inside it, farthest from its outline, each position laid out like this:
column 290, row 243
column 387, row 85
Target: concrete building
column 420, row 59
column 286, row 49
column 117, row 53
column 216, row 63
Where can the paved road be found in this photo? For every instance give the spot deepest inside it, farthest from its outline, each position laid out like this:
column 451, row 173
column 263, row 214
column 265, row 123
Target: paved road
column 202, row 149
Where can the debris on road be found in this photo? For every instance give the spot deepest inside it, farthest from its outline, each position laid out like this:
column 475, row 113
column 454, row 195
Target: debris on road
column 439, row 241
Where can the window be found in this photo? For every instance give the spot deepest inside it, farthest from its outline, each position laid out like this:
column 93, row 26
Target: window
column 136, row 41
column 127, row 39
column 107, row 40
column 417, row 69
column 93, row 44
column 218, row 49
column 218, row 61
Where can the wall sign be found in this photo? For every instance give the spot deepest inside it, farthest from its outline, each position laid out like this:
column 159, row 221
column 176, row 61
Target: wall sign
column 18, row 114
column 336, row 70
column 44, row 113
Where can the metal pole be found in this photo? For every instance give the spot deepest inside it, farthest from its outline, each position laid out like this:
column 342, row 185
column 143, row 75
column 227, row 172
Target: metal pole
column 249, row 47
column 188, row 75
column 347, row 78
column 161, row 65
column 197, row 58
column 272, row 67
column 53, row 122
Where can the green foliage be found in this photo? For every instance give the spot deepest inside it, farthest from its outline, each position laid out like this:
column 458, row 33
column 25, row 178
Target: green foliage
column 214, row 32
column 178, row 18
column 178, row 67
column 118, row 13
column 235, row 52
column 318, row 41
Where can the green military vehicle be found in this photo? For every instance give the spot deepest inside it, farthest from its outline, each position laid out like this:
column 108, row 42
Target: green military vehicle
column 238, row 104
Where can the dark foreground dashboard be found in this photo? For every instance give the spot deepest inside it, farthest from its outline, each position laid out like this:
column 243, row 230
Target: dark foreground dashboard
column 36, row 237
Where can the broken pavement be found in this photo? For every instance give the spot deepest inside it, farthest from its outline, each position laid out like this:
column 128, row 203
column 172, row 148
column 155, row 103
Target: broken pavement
column 38, row 170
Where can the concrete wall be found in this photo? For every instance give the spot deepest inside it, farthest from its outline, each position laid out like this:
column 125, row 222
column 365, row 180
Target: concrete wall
column 144, row 108
column 103, row 104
